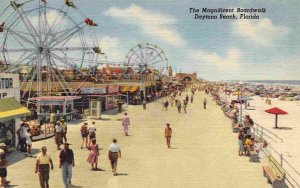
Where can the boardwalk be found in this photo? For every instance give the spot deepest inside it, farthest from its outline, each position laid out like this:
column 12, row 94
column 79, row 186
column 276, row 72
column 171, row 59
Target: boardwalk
column 204, row 152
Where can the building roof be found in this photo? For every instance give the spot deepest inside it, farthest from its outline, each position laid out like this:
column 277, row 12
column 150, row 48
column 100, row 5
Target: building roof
column 55, row 98
column 10, row 107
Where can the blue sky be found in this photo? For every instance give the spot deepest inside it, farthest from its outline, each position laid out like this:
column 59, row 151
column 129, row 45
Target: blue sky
column 267, row 48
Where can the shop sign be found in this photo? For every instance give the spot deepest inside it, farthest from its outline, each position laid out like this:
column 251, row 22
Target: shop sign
column 93, row 90
column 112, row 89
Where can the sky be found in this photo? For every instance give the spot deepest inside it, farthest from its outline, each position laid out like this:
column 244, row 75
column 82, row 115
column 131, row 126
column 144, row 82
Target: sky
column 267, row 48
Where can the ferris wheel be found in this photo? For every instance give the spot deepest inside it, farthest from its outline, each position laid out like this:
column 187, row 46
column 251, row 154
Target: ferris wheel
column 41, row 40
column 147, row 58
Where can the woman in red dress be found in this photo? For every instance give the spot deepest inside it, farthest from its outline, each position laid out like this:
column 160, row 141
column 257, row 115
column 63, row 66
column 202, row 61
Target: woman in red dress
column 93, row 156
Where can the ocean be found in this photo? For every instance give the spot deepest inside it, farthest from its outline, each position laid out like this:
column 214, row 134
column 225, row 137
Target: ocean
column 271, row 82
column 276, row 82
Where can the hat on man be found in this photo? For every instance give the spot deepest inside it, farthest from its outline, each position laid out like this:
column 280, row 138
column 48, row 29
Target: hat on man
column 66, row 144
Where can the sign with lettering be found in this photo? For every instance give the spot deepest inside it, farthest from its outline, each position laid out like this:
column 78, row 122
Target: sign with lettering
column 93, row 90
column 113, row 89
column 9, row 85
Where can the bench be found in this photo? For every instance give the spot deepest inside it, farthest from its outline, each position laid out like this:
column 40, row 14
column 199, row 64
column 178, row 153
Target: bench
column 275, row 173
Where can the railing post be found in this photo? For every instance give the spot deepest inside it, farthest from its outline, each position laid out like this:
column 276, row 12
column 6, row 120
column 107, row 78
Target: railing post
column 281, row 158
column 262, row 132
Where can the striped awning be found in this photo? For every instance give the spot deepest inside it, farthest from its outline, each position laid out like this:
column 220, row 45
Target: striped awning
column 10, row 107
column 131, row 89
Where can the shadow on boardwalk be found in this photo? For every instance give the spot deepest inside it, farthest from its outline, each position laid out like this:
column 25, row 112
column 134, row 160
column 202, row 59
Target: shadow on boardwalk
column 16, row 156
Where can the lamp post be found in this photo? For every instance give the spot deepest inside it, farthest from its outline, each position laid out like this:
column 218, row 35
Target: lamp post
column 225, row 90
column 241, row 105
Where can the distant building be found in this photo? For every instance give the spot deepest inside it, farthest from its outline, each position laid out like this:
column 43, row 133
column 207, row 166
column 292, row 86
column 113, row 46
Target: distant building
column 186, row 77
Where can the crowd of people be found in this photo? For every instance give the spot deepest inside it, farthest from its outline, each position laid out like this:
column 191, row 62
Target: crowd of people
column 246, row 137
column 66, row 162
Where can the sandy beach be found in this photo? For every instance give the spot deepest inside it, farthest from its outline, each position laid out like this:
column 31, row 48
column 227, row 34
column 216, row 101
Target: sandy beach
column 287, row 143
column 204, row 152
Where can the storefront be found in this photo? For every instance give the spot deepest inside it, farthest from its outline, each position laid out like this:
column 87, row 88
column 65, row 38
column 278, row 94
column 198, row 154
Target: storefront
column 10, row 116
column 108, row 95
column 131, row 94
column 61, row 106
column 112, row 97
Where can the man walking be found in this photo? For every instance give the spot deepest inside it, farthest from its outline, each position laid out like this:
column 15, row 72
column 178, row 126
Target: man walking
column 179, row 106
column 185, row 103
column 42, row 167
column 204, row 103
column 21, row 132
column 114, row 152
column 66, row 162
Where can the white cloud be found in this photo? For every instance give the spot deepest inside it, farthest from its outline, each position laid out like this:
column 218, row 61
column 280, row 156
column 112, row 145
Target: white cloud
column 228, row 62
column 152, row 24
column 111, row 47
column 279, row 69
column 262, row 32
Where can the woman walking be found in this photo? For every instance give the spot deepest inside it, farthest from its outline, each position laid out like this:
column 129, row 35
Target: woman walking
column 84, row 134
column 168, row 135
column 126, row 123
column 93, row 156
column 28, row 142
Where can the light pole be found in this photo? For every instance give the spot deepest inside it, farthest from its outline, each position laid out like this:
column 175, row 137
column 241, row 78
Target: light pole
column 225, row 92
column 241, row 105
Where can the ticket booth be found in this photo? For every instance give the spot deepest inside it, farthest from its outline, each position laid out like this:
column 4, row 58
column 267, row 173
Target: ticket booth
column 95, row 108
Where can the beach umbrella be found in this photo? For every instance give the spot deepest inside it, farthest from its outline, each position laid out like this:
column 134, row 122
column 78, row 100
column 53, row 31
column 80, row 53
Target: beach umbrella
column 277, row 112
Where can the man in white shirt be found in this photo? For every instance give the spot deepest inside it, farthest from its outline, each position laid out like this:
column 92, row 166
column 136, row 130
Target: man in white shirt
column 58, row 131
column 92, row 132
column 114, row 153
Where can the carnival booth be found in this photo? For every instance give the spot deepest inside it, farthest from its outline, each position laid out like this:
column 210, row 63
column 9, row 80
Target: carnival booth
column 10, row 117
column 61, row 106
column 108, row 97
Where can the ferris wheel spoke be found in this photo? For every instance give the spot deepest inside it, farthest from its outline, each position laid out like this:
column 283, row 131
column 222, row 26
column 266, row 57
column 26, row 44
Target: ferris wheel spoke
column 13, row 66
column 21, row 37
column 28, row 25
column 157, row 61
column 71, row 48
column 65, row 62
column 64, row 36
column 155, row 57
column 62, row 80
column 20, row 61
column 58, row 22
column 141, row 60
column 29, row 84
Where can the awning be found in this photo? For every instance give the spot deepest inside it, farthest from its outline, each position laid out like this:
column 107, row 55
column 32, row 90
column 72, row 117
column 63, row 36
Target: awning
column 131, row 89
column 10, row 107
